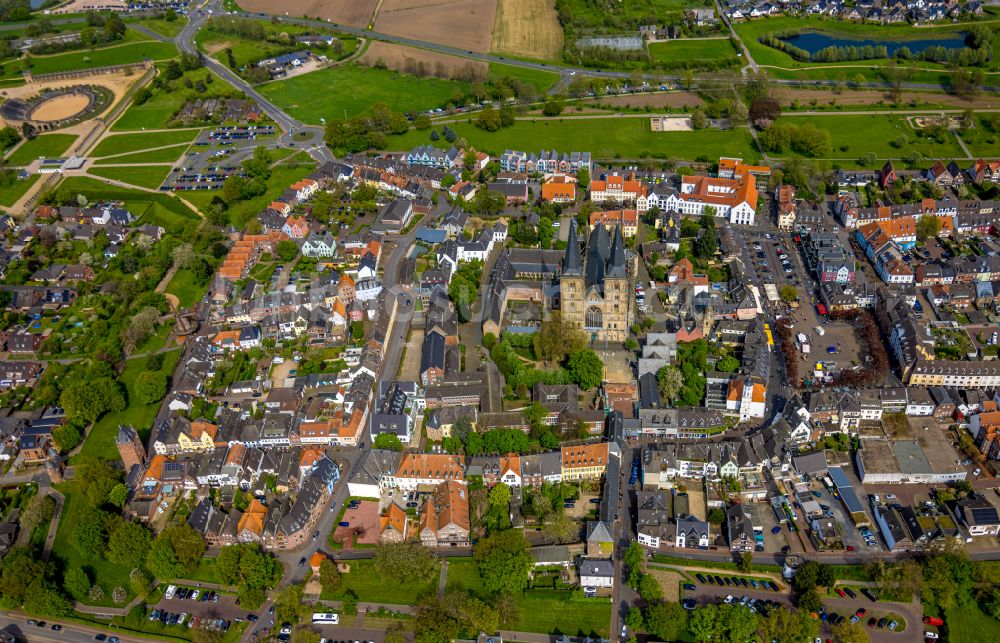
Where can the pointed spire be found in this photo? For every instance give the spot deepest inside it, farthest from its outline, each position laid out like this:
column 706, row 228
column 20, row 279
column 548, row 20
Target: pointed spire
column 572, row 263
column 616, row 263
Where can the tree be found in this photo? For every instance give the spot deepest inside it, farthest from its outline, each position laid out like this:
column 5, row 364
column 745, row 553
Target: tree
column 128, row 544
column 150, row 386
column 90, row 534
column 404, row 562
column 666, row 621
column 118, row 495
column 698, row 119
column 787, row 625
column 39, row 511
column 561, row 529
column 388, row 441
column 947, row 579
column 288, row 604
column 670, row 381
column 329, row 575
column 286, row 250
column 183, row 255
column 928, row 226
column 90, row 400
column 557, row 338
column 76, row 582
column 552, row 108
column 809, row 600
column 489, row 119
column 763, row 111
column 66, row 437
column 727, row 364
column 500, row 496
column 633, row 556
column 716, row 516
column 702, row 622
column 635, row 621
column 161, row 560
column 649, row 588
column 504, row 561
column 788, row 293
column 583, row 178
column 396, row 633
column 585, row 368
column 745, row 563
column 142, row 325
column 847, row 632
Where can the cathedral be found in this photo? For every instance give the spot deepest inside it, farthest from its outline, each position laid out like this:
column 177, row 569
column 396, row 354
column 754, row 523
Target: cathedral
column 596, row 294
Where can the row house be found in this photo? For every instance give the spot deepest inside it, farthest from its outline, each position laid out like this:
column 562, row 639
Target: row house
column 586, row 461
column 416, row 469
column 428, row 155
column 176, row 435
column 944, row 176
column 955, row 374
column 444, row 519
column 559, row 189
column 626, row 220
column 615, row 188
column 785, row 197
column 544, row 162
column 984, row 172
column 825, row 255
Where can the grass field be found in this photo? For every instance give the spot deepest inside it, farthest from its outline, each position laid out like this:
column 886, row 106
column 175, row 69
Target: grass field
column 164, row 155
column 47, row 145
column 164, row 27
column 329, row 93
column 528, row 28
column 464, row 573
column 124, row 143
column 550, row 611
column 682, row 49
column 875, row 133
column 968, row 624
column 106, row 574
column 605, row 137
column 981, row 141
column 148, row 176
column 131, row 52
column 542, row 80
column 371, row 587
column 100, row 442
column 185, row 288
column 9, row 194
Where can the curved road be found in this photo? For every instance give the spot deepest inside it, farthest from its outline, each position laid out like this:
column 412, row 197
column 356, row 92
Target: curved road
column 313, row 143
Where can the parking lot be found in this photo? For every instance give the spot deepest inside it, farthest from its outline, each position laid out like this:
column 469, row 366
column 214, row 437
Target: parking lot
column 910, row 614
column 205, row 614
column 216, row 155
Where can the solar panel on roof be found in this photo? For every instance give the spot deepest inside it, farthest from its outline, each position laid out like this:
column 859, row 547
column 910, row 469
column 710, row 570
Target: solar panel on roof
column 984, row 515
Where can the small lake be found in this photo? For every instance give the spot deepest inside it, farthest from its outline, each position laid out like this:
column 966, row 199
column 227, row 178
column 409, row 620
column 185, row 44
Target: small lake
column 813, row 41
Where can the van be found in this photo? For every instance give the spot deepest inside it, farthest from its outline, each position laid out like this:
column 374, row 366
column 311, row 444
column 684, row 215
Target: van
column 819, row 330
column 171, row 591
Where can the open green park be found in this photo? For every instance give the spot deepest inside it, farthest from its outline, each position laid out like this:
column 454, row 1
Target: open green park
column 9, row 194
column 47, row 145
column 351, row 89
column 606, row 138
column 163, row 104
column 144, row 176
column 127, row 143
column 100, row 442
column 715, row 49
column 855, row 135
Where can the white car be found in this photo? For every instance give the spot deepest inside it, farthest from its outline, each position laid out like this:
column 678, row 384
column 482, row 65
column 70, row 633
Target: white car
column 624, row 631
column 931, row 635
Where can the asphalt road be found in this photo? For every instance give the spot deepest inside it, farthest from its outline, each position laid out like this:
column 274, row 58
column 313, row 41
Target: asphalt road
column 313, row 142
column 17, row 625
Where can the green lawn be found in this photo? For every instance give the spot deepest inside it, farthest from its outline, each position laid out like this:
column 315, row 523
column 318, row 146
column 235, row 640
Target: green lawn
column 164, row 155
column 968, row 624
column 328, row 93
column 371, row 587
column 164, row 27
column 981, row 141
column 542, row 80
column 106, row 574
column 100, row 442
column 47, row 145
column 9, row 194
column 552, row 611
column 875, row 133
column 464, row 573
column 132, row 52
column 166, row 212
column 682, row 49
column 605, row 137
column 187, row 290
column 149, row 176
column 124, row 143
column 205, row 572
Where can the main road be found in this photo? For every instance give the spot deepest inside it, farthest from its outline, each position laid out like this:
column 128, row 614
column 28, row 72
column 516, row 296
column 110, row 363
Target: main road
column 560, row 69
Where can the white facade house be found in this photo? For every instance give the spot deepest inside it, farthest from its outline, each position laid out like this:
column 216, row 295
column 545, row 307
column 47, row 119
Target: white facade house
column 367, row 289
column 692, row 533
column 597, row 573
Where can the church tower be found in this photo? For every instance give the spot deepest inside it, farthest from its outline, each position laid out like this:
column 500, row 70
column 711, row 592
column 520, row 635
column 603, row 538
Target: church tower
column 571, row 283
column 616, row 292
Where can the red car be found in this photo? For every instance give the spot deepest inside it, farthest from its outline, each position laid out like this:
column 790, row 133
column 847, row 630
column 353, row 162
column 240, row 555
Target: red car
column 850, row 548
column 861, row 612
column 840, row 592
column 934, row 620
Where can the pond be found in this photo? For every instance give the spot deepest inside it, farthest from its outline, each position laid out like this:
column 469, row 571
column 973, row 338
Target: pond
column 813, row 41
